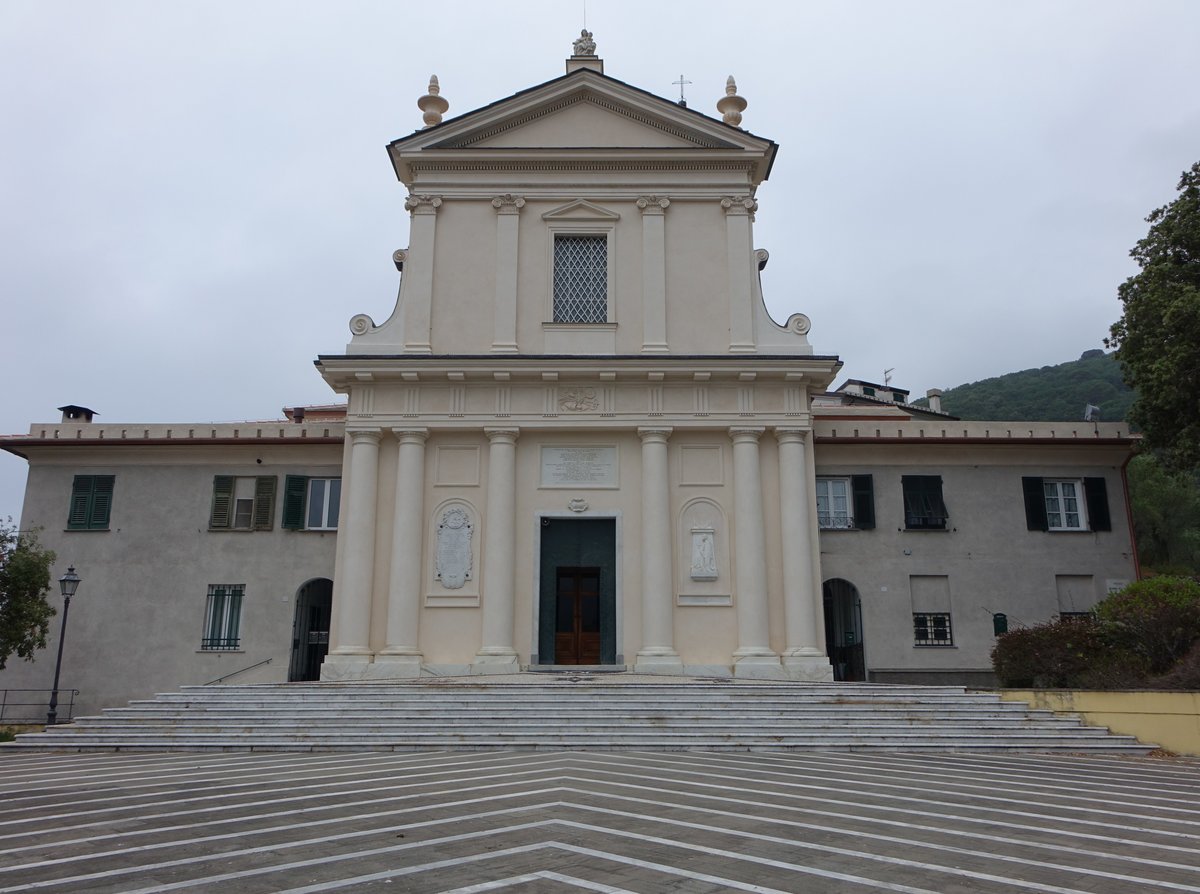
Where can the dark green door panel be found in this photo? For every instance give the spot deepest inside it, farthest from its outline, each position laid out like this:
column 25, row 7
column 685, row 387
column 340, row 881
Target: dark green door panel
column 577, row 543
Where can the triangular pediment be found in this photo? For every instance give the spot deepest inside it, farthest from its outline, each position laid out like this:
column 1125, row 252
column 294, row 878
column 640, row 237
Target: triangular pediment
column 580, row 209
column 582, row 110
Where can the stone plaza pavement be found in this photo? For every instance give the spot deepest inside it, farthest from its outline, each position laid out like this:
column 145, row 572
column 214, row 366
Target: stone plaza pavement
column 590, row 821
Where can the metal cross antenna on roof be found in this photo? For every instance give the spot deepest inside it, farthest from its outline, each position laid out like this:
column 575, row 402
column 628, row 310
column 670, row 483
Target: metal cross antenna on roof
column 681, row 82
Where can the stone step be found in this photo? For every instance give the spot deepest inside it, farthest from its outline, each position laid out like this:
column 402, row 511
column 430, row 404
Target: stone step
column 672, row 715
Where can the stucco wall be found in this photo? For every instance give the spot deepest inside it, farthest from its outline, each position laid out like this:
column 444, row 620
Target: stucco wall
column 1170, row 720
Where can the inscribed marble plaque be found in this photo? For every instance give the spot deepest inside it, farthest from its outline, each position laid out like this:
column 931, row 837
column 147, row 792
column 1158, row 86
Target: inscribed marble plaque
column 454, row 548
column 579, row 467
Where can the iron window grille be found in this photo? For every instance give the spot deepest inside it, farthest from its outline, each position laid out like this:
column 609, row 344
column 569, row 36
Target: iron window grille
column 223, row 617
column 932, row 629
column 580, row 279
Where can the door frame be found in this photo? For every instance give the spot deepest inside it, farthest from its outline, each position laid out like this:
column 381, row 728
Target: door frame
column 302, row 600
column 833, row 592
column 618, row 591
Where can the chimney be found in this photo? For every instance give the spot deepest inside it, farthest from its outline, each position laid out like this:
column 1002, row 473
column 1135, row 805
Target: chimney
column 935, row 399
column 298, row 414
column 72, row 413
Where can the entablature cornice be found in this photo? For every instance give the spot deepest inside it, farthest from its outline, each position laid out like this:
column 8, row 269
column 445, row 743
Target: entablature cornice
column 813, row 371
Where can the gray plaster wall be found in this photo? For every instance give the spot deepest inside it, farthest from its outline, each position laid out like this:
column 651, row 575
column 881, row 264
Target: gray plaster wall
column 136, row 623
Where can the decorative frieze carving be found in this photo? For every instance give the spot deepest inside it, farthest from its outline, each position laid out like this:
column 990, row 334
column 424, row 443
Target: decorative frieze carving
column 577, row 504
column 653, row 204
column 454, row 548
column 422, row 204
column 508, row 204
column 578, row 399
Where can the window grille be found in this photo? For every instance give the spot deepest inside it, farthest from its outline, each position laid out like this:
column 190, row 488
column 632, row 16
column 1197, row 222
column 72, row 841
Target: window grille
column 580, row 279
column 223, row 617
column 932, row 629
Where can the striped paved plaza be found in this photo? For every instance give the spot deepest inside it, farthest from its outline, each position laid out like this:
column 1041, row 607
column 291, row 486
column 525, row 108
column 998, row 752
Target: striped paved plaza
column 533, row 822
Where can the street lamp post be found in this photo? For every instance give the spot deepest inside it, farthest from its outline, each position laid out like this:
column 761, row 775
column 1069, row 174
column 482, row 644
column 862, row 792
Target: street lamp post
column 69, row 583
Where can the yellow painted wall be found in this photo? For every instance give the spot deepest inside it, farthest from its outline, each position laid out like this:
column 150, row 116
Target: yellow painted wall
column 1170, row 720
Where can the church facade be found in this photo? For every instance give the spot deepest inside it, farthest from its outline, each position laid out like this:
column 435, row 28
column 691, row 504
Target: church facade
column 580, row 439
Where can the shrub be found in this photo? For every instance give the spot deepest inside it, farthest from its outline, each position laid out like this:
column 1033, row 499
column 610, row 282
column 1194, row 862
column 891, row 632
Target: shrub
column 1157, row 619
column 1184, row 675
column 1070, row 654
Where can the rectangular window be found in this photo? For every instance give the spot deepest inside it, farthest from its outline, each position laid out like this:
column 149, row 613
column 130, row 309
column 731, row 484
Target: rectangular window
column 1066, row 504
column 924, row 509
column 324, row 495
column 1064, row 509
column 242, row 504
column 833, row 504
column 223, row 617
column 91, row 502
column 932, row 629
column 580, row 279
column 311, row 504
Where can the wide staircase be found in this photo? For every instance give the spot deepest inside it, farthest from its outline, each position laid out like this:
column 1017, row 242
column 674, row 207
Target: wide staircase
column 572, row 711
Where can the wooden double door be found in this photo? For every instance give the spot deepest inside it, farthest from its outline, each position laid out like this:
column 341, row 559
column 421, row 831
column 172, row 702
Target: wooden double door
column 577, row 616
column 577, row 603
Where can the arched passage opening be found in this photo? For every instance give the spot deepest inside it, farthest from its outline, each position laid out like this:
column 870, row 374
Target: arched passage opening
column 310, row 629
column 843, row 630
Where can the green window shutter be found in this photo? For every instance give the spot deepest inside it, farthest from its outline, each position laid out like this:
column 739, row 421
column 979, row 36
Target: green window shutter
column 1035, row 504
column 294, row 489
column 264, row 502
column 81, row 502
column 102, row 494
column 1096, row 493
column 222, row 502
column 863, row 489
column 924, row 507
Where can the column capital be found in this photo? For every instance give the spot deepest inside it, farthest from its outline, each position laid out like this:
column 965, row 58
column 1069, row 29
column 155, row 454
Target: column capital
column 364, row 435
column 652, row 434
column 411, row 435
column 653, row 204
column 508, row 204
column 791, row 435
column 739, row 205
column 422, row 204
column 502, row 435
column 742, row 434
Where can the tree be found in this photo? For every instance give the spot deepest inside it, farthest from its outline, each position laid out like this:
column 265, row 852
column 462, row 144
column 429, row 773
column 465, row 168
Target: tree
column 1166, row 516
column 24, row 581
column 1158, row 336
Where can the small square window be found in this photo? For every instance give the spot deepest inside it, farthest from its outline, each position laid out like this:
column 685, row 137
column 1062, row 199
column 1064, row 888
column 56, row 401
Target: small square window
column 223, row 618
column 932, row 629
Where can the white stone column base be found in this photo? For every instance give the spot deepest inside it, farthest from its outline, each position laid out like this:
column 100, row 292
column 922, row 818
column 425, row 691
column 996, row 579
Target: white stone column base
column 337, row 668
column 394, row 666
column 658, row 661
column 808, row 668
column 496, row 661
column 758, row 665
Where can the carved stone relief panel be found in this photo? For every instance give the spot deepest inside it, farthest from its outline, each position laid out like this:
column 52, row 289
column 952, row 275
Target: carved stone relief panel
column 704, row 548
column 453, row 558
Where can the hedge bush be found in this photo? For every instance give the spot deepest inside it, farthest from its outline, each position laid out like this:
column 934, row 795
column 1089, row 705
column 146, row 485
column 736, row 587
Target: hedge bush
column 1147, row 635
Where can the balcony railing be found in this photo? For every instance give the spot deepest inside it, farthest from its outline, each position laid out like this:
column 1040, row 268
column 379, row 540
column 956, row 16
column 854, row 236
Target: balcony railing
column 220, row 643
column 835, row 522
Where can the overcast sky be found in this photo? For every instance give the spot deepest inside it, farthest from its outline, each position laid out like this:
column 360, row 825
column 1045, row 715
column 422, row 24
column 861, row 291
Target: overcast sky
column 195, row 196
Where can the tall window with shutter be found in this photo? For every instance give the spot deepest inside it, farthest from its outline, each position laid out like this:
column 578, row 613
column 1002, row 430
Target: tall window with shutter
column 91, row 502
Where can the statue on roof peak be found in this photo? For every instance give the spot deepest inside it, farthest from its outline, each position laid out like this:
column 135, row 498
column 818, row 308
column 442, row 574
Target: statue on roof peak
column 584, row 45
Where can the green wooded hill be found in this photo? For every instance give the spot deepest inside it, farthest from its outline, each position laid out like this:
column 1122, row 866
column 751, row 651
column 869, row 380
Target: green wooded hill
column 1050, row 394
